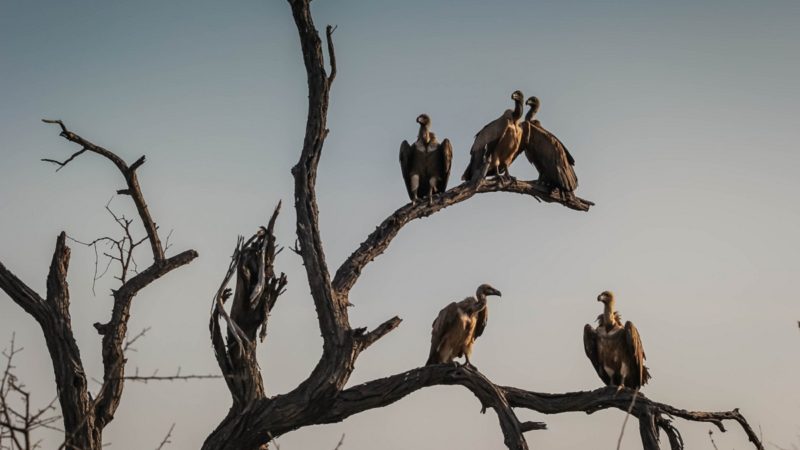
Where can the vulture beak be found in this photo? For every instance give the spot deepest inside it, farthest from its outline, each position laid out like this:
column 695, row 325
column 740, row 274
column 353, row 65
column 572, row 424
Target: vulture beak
column 495, row 292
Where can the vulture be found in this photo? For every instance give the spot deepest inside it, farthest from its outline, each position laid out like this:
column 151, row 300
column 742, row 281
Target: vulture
column 458, row 325
column 426, row 163
column 550, row 157
column 498, row 143
column 615, row 350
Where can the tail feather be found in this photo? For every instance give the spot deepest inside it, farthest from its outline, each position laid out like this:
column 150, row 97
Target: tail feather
column 433, row 358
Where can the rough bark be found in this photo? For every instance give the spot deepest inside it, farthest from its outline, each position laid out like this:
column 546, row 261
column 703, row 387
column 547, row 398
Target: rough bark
column 256, row 419
column 85, row 416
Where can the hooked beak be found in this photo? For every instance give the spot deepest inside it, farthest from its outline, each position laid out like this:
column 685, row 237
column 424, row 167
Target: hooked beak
column 495, row 292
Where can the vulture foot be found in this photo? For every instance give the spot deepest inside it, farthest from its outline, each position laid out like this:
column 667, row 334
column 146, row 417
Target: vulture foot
column 468, row 365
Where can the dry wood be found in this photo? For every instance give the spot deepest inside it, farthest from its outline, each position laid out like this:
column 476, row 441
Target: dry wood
column 84, row 415
column 256, row 419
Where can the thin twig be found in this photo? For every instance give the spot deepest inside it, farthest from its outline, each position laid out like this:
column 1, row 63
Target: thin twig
column 627, row 415
column 166, row 438
column 341, row 441
column 711, row 437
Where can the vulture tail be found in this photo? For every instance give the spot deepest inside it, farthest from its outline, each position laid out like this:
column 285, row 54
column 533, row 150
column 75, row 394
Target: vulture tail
column 432, row 358
column 645, row 375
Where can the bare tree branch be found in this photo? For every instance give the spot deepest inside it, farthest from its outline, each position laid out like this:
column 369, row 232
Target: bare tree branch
column 166, row 440
column 85, row 417
column 129, row 173
column 178, row 376
column 256, row 420
column 378, row 241
column 257, row 291
column 18, row 423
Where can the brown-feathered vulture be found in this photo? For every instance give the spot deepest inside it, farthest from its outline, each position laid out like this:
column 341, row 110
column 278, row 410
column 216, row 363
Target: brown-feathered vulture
column 615, row 350
column 458, row 325
column 546, row 152
column 426, row 164
column 497, row 142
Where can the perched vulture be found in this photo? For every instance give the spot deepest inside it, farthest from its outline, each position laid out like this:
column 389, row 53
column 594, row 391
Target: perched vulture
column 498, row 142
column 615, row 350
column 458, row 325
column 550, row 157
column 426, row 164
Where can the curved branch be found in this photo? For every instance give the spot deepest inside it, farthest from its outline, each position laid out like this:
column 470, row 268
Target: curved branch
column 604, row 398
column 129, row 173
column 385, row 391
column 115, row 330
column 377, row 242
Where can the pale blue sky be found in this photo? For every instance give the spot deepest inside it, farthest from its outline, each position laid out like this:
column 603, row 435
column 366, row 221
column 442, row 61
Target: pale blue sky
column 682, row 117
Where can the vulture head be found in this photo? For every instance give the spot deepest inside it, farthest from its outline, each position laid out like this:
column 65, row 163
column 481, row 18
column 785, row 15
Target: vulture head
column 533, row 102
column 485, row 289
column 606, row 297
column 423, row 119
column 517, row 96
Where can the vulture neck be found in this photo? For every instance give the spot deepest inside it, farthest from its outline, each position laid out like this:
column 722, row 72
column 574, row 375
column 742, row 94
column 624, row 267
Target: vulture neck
column 424, row 134
column 481, row 302
column 609, row 318
column 517, row 114
column 529, row 116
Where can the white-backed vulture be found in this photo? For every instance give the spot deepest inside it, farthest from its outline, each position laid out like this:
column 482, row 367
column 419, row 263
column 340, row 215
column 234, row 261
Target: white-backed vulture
column 497, row 142
column 426, row 164
column 547, row 153
column 458, row 325
column 615, row 350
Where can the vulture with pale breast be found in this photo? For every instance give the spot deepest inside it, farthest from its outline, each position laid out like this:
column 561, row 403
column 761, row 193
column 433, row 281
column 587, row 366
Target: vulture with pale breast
column 498, row 143
column 615, row 350
column 426, row 163
column 458, row 325
column 546, row 152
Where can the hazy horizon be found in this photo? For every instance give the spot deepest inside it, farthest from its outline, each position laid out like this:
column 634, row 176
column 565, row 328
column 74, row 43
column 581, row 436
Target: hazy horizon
column 682, row 118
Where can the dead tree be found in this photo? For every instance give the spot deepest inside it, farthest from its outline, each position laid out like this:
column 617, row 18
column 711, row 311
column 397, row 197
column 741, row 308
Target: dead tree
column 18, row 419
column 86, row 414
column 256, row 418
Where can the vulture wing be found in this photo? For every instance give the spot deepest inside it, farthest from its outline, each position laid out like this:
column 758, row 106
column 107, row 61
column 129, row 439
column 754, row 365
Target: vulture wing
column 447, row 317
column 406, row 162
column 551, row 158
column 635, row 353
column 590, row 347
column 446, row 155
column 526, row 145
column 486, row 139
column 483, row 319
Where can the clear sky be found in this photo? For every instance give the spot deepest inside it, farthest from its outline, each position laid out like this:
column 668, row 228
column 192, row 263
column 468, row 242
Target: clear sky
column 682, row 117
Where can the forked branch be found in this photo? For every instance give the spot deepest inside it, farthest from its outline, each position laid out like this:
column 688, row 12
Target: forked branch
column 256, row 419
column 131, row 180
column 85, row 416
